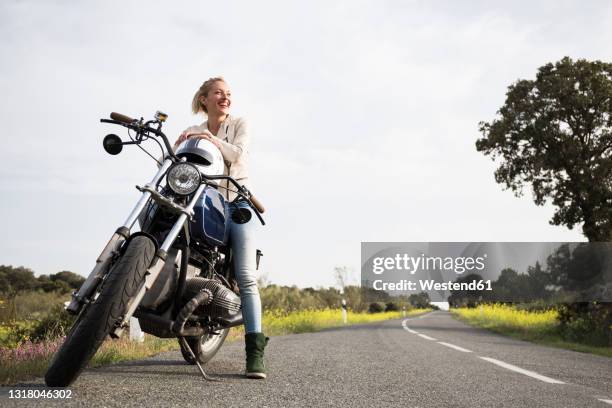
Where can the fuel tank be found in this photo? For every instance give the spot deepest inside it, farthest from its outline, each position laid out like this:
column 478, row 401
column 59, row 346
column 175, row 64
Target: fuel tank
column 211, row 218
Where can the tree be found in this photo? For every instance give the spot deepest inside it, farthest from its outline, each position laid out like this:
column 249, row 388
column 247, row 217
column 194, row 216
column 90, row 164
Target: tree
column 73, row 280
column 511, row 286
column 469, row 298
column 539, row 280
column 585, row 268
column 48, row 285
column 419, row 301
column 14, row 280
column 555, row 133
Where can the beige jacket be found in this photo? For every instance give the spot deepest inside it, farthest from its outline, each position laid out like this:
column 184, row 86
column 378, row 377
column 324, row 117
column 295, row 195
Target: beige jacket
column 234, row 137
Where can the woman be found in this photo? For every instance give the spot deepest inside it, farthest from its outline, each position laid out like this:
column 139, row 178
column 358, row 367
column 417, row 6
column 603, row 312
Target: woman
column 230, row 135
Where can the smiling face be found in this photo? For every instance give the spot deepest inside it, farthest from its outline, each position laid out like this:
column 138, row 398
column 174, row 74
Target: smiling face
column 218, row 99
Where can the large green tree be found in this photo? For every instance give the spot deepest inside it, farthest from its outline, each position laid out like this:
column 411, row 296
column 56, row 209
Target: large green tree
column 554, row 133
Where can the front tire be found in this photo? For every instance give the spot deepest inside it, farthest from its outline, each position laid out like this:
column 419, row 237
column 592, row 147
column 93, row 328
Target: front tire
column 204, row 347
column 96, row 322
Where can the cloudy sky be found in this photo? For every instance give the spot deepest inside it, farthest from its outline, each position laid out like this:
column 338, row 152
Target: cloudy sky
column 363, row 117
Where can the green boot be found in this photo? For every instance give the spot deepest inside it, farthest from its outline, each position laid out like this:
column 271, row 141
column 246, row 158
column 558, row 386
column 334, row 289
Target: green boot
column 254, row 347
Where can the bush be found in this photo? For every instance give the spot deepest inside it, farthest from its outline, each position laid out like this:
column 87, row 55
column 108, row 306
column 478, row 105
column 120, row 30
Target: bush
column 55, row 324
column 586, row 322
column 391, row 307
column 15, row 333
column 70, row 279
column 14, row 280
column 536, row 306
column 292, row 298
column 376, row 307
column 46, row 284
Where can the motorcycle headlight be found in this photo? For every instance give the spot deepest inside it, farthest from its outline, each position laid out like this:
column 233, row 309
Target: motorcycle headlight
column 184, row 178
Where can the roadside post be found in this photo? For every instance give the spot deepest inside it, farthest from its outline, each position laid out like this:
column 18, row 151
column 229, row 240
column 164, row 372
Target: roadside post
column 136, row 334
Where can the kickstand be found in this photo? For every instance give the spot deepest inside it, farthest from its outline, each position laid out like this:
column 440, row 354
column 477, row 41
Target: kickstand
column 192, row 355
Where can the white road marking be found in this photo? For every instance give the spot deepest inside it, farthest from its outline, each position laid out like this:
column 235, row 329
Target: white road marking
column 426, row 337
column 510, row 367
column 607, row 401
column 454, row 347
column 405, row 326
column 522, row 371
column 408, row 329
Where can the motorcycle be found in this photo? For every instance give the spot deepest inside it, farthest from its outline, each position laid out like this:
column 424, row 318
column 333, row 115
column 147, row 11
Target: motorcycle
column 175, row 273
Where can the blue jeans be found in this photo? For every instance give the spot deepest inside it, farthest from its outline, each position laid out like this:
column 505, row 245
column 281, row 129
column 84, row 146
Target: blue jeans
column 244, row 253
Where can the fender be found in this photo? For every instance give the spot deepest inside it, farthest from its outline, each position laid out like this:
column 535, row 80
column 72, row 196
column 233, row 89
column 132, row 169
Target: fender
column 141, row 233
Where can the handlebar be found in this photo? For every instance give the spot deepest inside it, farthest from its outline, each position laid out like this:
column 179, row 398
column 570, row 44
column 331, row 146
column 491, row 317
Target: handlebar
column 141, row 128
column 121, row 118
column 257, row 204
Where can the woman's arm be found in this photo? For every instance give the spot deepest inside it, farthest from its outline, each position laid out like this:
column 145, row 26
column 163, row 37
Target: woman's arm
column 195, row 131
column 233, row 151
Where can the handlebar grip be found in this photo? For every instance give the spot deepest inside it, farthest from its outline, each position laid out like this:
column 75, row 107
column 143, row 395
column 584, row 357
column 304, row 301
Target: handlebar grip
column 257, row 205
column 121, row 118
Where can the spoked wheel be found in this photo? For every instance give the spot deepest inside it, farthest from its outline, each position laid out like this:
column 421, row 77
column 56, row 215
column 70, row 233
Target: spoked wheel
column 204, row 347
column 99, row 318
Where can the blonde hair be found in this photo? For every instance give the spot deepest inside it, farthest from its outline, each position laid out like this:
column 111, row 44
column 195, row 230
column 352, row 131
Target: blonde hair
column 196, row 104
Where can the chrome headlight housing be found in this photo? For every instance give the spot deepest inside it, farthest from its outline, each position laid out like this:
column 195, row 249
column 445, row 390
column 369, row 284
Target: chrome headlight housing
column 184, row 178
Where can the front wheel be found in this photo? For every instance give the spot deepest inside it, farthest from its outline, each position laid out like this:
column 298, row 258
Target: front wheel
column 96, row 322
column 204, row 347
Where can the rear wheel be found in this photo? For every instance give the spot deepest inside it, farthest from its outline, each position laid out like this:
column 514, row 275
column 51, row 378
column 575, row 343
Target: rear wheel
column 100, row 317
column 204, row 347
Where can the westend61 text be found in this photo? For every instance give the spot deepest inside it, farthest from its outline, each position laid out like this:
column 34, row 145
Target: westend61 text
column 432, row 285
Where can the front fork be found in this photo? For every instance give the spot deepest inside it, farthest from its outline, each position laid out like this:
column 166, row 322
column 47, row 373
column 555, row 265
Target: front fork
column 160, row 257
column 87, row 289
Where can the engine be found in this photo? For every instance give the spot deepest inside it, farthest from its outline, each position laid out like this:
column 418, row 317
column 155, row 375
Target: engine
column 223, row 303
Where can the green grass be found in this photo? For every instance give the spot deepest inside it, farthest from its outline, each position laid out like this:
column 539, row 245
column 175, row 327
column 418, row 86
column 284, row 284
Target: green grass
column 116, row 351
column 279, row 322
column 31, row 305
column 538, row 327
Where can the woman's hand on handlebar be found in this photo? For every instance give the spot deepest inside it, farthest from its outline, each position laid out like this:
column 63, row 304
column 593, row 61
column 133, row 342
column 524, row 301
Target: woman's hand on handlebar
column 182, row 137
column 188, row 134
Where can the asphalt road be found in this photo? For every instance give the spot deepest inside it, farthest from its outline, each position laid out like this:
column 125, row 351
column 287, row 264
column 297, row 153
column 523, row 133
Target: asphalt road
column 431, row 361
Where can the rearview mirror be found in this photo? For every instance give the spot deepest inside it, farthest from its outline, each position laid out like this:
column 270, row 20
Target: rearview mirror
column 112, row 144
